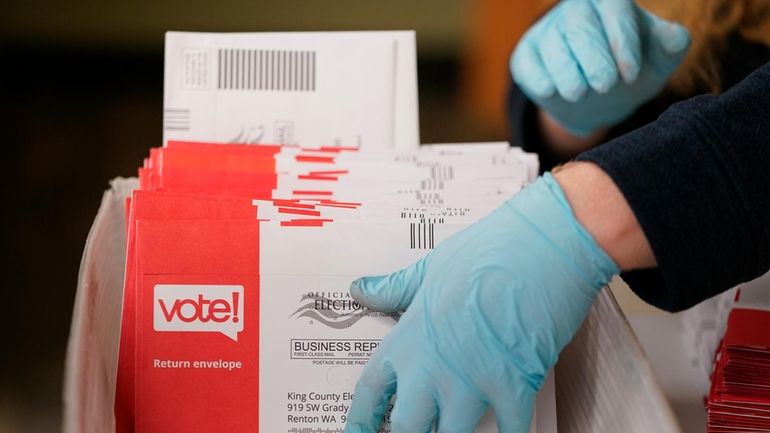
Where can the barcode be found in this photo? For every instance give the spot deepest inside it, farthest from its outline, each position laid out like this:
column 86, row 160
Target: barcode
column 422, row 216
column 412, row 215
column 251, row 69
column 421, row 236
column 176, row 119
column 440, row 173
column 428, row 198
column 431, row 184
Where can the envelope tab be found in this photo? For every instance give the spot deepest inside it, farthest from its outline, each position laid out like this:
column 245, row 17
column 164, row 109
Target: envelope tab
column 192, row 160
column 215, row 181
column 234, row 148
column 198, row 247
column 158, row 205
column 748, row 328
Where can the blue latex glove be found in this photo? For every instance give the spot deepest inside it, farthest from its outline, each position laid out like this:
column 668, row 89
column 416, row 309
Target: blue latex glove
column 570, row 63
column 487, row 313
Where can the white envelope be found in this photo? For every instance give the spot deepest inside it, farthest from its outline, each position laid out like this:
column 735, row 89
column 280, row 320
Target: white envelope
column 378, row 211
column 302, row 266
column 355, row 89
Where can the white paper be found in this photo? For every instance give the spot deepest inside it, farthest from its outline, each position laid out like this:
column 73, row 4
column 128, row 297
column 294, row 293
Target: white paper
column 605, row 383
column 356, row 89
column 304, row 267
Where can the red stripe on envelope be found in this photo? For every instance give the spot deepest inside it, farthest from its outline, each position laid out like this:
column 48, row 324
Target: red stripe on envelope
column 299, row 211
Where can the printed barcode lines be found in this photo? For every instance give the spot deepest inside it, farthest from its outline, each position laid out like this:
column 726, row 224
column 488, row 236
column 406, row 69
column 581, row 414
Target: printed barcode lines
column 266, row 70
column 176, row 119
column 428, row 198
column 440, row 173
column 421, row 236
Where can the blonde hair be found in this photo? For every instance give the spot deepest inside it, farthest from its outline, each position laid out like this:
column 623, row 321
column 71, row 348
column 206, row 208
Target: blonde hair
column 710, row 22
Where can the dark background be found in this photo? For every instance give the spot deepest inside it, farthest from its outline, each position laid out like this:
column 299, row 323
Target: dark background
column 81, row 103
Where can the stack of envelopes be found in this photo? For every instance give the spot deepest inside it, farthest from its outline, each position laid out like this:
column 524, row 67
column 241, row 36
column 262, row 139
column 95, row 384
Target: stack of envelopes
column 236, row 312
column 739, row 400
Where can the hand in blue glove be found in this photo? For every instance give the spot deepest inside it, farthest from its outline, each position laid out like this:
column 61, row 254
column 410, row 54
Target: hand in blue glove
column 571, row 61
column 487, row 313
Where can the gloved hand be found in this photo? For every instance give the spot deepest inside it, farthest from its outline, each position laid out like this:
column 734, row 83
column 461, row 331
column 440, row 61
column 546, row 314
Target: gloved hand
column 571, row 61
column 487, row 313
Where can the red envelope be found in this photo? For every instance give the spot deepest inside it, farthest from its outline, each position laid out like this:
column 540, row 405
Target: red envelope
column 197, row 329
column 158, row 206
column 231, row 148
column 739, row 399
column 748, row 329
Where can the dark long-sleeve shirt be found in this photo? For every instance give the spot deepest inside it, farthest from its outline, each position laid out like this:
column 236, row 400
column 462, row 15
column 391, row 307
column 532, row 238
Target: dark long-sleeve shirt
column 698, row 181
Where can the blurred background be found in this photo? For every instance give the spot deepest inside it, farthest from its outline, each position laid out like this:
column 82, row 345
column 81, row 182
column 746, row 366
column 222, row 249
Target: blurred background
column 82, row 102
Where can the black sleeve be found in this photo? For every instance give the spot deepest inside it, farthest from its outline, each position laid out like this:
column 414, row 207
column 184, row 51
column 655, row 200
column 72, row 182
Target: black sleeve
column 525, row 126
column 524, row 130
column 698, row 181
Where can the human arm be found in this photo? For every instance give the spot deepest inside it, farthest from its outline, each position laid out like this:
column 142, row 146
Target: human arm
column 601, row 209
column 698, row 182
column 561, row 141
column 488, row 311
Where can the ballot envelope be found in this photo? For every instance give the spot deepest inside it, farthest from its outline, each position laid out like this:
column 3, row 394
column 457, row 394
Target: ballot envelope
column 354, row 89
column 233, row 225
column 163, row 220
column 213, row 288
